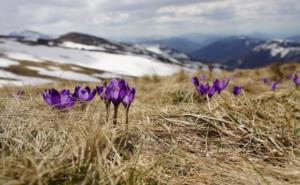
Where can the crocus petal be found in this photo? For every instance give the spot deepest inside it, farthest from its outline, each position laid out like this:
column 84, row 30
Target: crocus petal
column 224, row 84
column 66, row 101
column 131, row 95
column 114, row 94
column 203, row 88
column 212, row 91
column 296, row 80
column 76, row 90
column 100, row 89
column 92, row 95
column 195, row 81
column 126, row 101
column 122, row 93
column 55, row 96
column 83, row 95
column 46, row 97
column 88, row 89
column 274, row 85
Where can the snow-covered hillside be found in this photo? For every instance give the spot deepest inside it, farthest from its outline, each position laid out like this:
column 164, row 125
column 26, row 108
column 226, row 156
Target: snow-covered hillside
column 279, row 48
column 33, row 63
column 166, row 52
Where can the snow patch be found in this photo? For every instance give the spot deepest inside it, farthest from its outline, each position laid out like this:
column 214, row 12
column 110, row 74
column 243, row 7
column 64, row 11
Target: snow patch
column 6, row 62
column 20, row 80
column 74, row 45
column 67, row 75
column 277, row 48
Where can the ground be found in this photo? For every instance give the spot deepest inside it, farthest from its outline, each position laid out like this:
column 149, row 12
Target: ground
column 174, row 136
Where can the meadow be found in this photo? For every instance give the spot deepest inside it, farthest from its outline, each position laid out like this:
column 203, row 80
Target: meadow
column 174, row 136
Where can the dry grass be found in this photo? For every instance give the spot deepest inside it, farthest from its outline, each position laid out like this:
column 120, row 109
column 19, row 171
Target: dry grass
column 174, row 137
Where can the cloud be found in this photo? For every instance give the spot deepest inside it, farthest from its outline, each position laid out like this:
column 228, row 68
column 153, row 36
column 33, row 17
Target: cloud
column 150, row 17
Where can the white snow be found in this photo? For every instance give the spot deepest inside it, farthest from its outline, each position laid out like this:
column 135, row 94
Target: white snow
column 20, row 80
column 73, row 68
column 154, row 48
column 74, row 45
column 107, row 75
column 6, row 62
column 53, row 68
column 67, row 75
column 22, row 56
column 276, row 49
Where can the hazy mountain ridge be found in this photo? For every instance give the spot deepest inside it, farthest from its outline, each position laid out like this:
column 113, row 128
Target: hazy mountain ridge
column 295, row 38
column 29, row 35
column 246, row 52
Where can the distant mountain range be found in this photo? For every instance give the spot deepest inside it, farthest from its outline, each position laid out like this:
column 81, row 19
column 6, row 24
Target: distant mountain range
column 226, row 49
column 183, row 43
column 246, row 52
column 29, row 35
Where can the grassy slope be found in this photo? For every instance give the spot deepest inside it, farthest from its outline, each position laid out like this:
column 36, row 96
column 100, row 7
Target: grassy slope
column 174, row 137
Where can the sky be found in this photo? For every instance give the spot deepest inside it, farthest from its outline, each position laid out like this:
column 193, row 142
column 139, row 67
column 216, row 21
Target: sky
column 150, row 18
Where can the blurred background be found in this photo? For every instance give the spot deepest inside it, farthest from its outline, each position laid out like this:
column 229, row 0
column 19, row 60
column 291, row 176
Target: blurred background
column 92, row 40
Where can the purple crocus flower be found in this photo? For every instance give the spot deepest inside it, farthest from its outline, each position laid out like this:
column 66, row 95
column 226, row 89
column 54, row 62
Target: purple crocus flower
column 127, row 101
column 100, row 89
column 195, row 81
column 274, row 85
column 236, row 90
column 223, row 84
column 212, row 91
column 203, row 88
column 296, row 80
column 220, row 85
column 217, row 86
column 115, row 92
column 84, row 94
column 62, row 99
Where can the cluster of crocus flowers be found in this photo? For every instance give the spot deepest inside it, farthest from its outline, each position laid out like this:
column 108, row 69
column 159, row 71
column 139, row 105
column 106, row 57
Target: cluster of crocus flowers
column 210, row 90
column 117, row 91
column 274, row 84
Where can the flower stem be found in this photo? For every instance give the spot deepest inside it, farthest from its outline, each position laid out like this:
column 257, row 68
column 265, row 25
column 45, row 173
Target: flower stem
column 126, row 117
column 107, row 105
column 83, row 106
column 116, row 114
